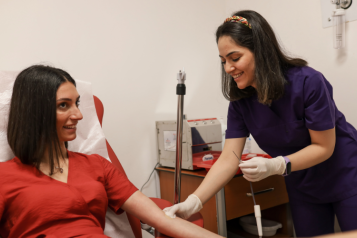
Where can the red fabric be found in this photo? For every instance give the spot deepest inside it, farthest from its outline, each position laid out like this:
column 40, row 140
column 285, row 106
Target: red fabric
column 100, row 113
column 33, row 204
column 114, row 158
column 99, row 109
column 161, row 203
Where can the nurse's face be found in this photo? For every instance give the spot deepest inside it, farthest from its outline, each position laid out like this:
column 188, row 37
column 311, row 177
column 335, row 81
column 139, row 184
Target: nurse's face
column 68, row 113
column 238, row 61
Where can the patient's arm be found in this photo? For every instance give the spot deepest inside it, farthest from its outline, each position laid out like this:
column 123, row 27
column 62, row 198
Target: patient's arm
column 146, row 210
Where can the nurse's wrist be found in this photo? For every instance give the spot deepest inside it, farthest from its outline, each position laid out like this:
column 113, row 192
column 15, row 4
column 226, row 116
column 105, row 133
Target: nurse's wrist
column 287, row 170
column 279, row 165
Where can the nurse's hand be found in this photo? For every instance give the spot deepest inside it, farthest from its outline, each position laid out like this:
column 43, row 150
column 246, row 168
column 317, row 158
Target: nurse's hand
column 259, row 168
column 185, row 209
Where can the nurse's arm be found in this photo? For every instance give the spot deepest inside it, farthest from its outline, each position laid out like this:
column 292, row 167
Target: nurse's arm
column 146, row 210
column 321, row 148
column 350, row 234
column 222, row 170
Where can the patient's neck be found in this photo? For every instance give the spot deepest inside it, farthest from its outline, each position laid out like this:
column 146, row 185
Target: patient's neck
column 59, row 166
column 62, row 155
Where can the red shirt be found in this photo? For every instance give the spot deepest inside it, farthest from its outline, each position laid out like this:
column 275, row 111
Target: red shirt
column 32, row 203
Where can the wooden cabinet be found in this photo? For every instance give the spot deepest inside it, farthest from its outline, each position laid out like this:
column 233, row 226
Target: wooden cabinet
column 270, row 193
column 189, row 182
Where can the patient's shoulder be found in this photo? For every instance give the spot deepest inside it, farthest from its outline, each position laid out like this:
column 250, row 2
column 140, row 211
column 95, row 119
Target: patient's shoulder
column 10, row 169
column 12, row 163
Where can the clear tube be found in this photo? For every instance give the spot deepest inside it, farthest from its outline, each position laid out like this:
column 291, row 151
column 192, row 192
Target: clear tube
column 338, row 28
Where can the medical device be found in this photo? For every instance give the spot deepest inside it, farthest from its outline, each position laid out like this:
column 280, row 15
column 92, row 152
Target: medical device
column 258, row 215
column 339, row 22
column 199, row 137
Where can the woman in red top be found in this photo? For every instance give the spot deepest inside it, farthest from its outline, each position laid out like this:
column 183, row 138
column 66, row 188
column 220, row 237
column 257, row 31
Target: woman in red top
column 47, row 191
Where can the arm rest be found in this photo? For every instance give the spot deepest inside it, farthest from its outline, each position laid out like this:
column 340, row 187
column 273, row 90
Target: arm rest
column 161, row 204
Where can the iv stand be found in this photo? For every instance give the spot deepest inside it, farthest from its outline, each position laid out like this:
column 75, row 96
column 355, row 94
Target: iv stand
column 180, row 91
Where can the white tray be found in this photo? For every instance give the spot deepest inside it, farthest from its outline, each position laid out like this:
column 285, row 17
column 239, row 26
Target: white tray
column 269, row 227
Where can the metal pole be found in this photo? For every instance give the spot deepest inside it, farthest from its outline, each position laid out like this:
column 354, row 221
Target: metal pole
column 180, row 91
column 221, row 213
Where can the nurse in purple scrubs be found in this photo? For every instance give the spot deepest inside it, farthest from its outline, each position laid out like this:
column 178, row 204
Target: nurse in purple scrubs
column 289, row 109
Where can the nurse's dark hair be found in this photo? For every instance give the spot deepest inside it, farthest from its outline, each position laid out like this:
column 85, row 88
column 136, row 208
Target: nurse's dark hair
column 270, row 60
column 31, row 130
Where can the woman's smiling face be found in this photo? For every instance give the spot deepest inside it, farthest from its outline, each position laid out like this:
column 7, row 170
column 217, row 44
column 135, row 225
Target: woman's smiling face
column 68, row 113
column 237, row 61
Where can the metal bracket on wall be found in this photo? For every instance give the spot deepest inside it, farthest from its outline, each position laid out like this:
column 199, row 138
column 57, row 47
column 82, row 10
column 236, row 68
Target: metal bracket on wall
column 327, row 6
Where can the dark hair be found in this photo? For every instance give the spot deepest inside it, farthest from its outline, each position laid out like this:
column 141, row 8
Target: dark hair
column 270, row 60
column 31, row 128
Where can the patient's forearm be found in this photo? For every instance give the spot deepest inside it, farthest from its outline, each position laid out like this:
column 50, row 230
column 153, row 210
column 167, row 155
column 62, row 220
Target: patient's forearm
column 146, row 210
column 177, row 227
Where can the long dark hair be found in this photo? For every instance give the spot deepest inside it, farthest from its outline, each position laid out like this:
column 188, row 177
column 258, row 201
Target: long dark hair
column 270, row 60
column 31, row 128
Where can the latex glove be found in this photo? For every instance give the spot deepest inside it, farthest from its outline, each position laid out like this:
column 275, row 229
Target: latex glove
column 259, row 168
column 185, row 209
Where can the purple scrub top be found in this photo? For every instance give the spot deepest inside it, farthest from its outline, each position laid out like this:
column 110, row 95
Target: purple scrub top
column 282, row 129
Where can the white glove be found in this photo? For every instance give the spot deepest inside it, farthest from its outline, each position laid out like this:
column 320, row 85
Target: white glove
column 259, row 168
column 185, row 209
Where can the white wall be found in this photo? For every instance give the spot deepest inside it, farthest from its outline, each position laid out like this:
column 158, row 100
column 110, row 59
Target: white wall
column 131, row 52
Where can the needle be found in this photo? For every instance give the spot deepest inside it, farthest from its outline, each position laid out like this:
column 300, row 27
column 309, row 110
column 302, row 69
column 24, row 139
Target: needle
column 240, row 161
